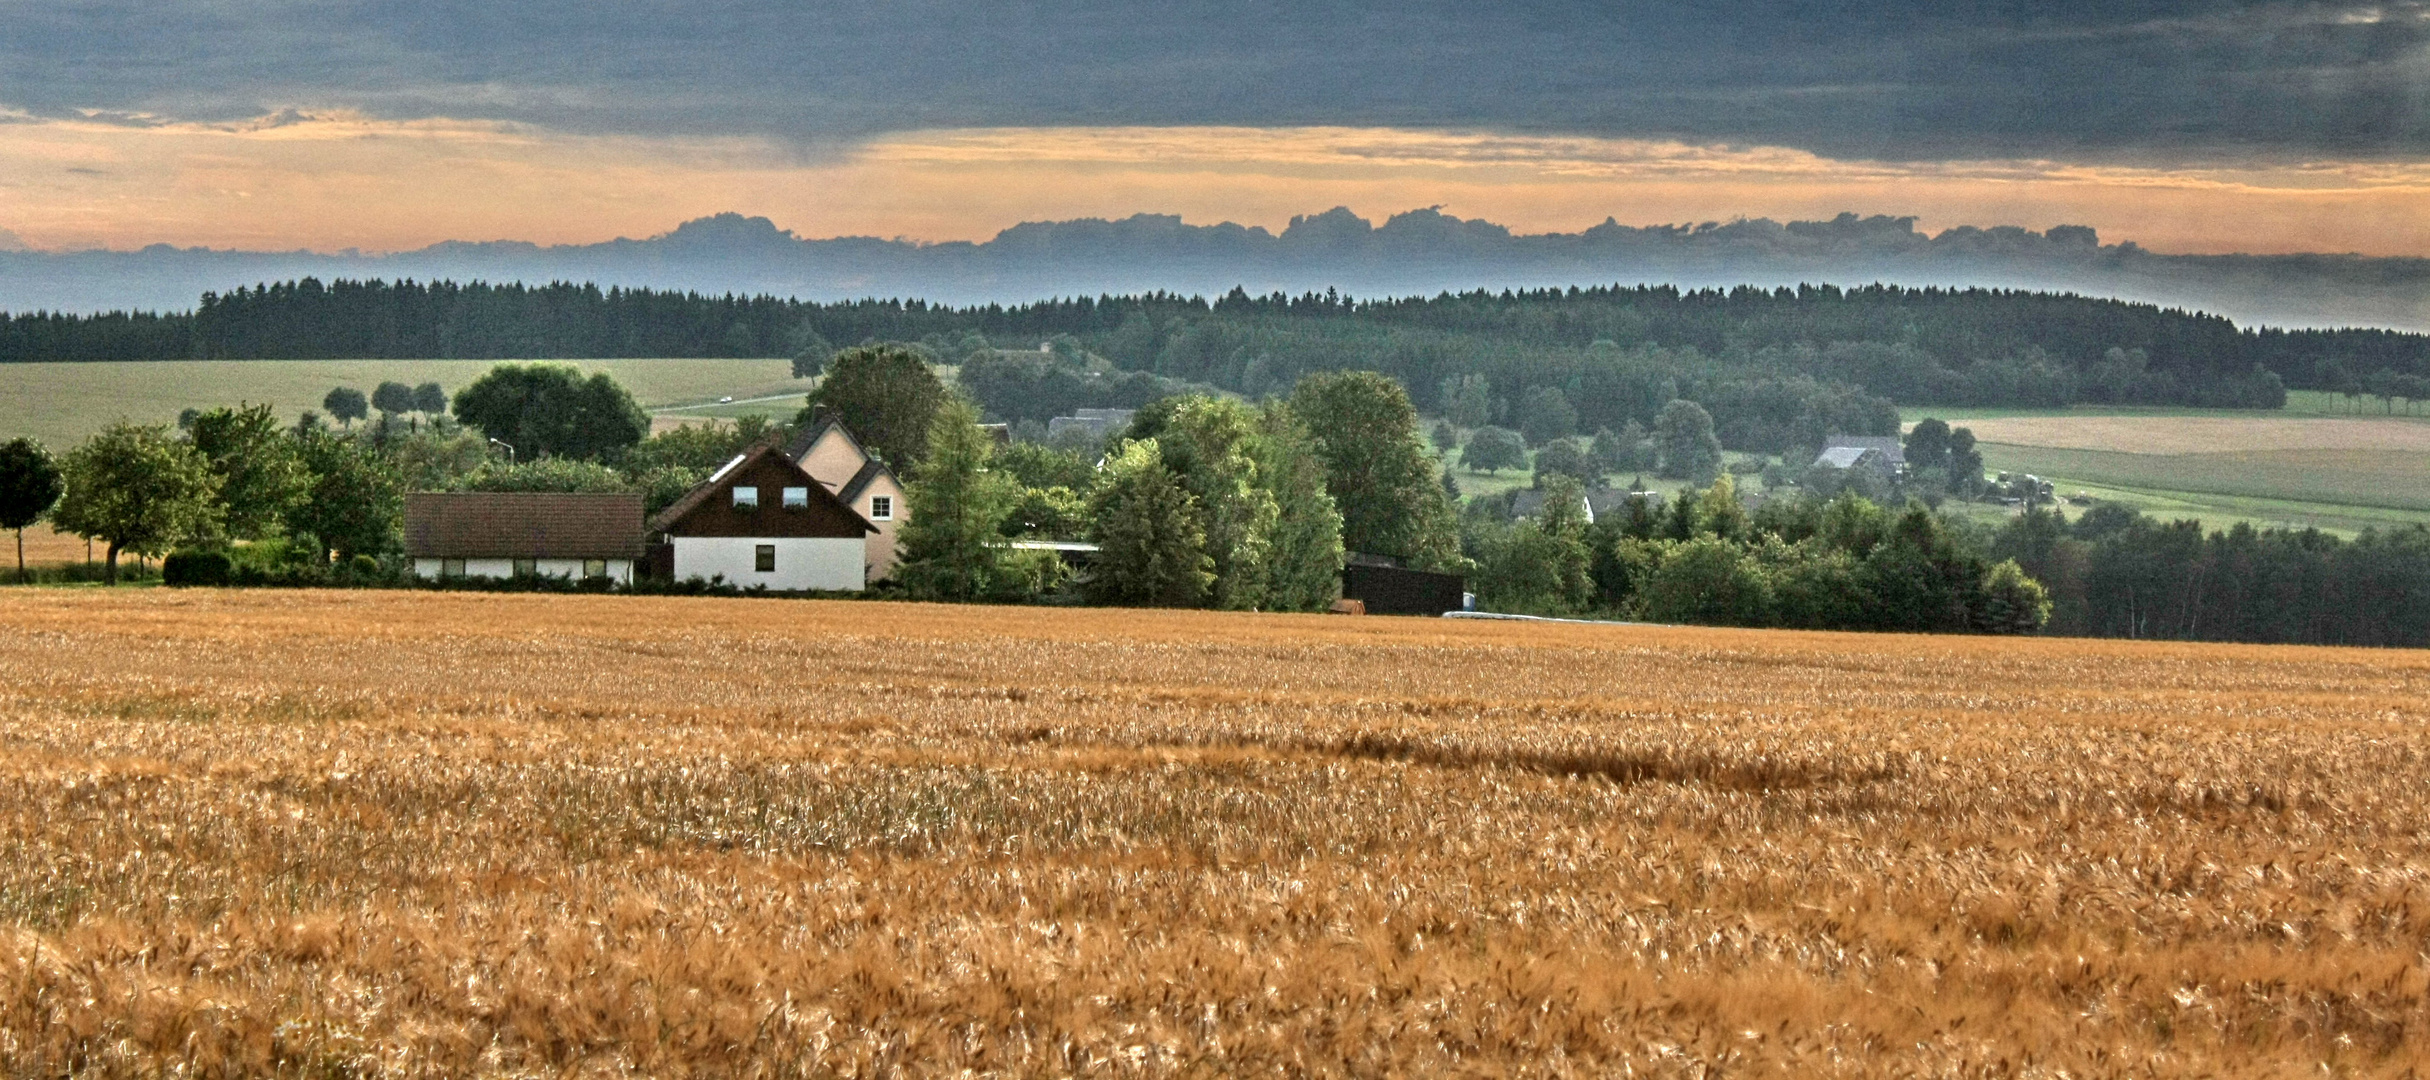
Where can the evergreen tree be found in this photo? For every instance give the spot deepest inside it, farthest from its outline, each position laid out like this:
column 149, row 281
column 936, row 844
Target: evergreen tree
column 1151, row 547
column 1305, row 563
column 952, row 549
column 886, row 395
column 1445, row 437
column 136, row 489
column 29, row 486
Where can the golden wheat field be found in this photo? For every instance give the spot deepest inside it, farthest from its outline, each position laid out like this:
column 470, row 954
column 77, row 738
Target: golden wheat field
column 411, row 834
column 2205, row 434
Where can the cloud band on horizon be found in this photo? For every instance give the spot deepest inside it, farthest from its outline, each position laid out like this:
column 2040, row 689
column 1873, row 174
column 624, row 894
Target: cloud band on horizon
column 293, row 179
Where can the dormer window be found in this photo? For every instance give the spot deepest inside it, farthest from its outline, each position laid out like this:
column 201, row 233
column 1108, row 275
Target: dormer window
column 797, row 498
column 881, row 508
column 746, row 498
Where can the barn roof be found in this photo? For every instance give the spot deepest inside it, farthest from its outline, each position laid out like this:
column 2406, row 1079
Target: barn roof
column 1891, row 451
column 522, row 525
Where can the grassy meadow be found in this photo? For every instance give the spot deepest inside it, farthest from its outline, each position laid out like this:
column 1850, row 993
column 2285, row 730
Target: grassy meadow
column 2317, row 463
column 398, row 833
column 63, row 404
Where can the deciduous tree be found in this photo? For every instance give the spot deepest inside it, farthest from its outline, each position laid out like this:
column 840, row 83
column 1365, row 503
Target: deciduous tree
column 1376, row 467
column 392, row 398
column 29, row 487
column 356, row 501
column 886, row 395
column 1683, row 436
column 261, row 475
column 550, row 410
column 346, row 403
column 136, row 489
column 1493, row 449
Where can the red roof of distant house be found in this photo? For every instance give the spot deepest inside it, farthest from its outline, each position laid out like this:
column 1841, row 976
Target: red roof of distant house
column 522, row 525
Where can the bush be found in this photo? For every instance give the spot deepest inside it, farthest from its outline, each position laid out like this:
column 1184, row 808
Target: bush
column 189, row 567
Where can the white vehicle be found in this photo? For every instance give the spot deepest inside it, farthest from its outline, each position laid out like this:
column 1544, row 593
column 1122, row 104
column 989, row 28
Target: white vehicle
column 726, row 400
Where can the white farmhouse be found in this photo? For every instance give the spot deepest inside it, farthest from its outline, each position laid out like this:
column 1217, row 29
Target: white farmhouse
column 764, row 521
column 829, row 453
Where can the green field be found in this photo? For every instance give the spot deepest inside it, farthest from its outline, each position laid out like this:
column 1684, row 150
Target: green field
column 63, row 404
column 2338, row 490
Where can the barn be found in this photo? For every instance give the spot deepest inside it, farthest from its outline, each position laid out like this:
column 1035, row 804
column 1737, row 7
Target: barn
column 507, row 534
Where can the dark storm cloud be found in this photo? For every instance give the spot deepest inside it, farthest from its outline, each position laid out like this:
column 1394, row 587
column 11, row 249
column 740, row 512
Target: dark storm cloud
column 2183, row 79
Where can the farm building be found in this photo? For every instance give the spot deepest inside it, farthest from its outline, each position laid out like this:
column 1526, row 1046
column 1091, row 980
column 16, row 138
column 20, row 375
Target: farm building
column 523, row 534
column 1098, row 423
column 764, row 521
column 1598, row 502
column 1881, row 452
column 1382, row 586
column 828, row 452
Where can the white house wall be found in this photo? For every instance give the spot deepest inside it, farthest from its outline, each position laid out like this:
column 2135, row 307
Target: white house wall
column 801, row 563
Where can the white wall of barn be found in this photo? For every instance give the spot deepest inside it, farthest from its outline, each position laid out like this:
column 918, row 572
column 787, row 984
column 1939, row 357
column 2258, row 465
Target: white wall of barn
column 621, row 570
column 801, row 562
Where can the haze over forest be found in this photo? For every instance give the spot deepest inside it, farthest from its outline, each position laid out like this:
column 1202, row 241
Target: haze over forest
column 1420, row 252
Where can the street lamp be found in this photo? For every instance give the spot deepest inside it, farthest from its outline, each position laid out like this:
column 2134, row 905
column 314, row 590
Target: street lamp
column 510, row 449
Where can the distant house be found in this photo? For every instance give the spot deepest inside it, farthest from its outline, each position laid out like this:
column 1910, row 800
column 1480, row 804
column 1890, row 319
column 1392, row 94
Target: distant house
column 1098, row 423
column 763, row 520
column 1529, row 503
column 828, row 452
column 1602, row 502
column 1881, row 452
column 483, row 534
column 1599, row 502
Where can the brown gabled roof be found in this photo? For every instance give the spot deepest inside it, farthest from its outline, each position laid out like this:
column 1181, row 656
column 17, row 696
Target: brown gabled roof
column 870, row 471
column 522, row 525
column 772, row 447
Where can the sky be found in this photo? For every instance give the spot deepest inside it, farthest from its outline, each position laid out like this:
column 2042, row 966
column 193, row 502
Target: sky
column 268, row 125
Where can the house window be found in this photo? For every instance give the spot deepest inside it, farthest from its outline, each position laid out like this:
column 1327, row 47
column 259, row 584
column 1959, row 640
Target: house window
column 763, row 558
column 527, row 568
column 594, row 568
column 451, row 568
column 881, row 508
column 797, row 498
column 746, row 498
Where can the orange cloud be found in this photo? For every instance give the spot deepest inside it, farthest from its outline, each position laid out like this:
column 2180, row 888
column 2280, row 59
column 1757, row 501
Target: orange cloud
column 336, row 181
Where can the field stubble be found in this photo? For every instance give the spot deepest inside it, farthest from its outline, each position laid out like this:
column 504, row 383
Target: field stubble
column 406, row 834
